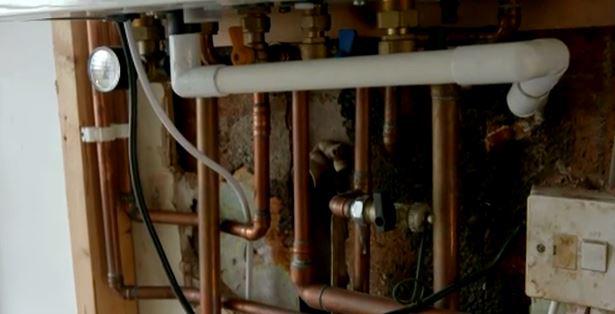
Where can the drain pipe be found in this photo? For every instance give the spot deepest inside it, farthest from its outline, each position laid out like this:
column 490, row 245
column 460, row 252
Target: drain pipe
column 533, row 66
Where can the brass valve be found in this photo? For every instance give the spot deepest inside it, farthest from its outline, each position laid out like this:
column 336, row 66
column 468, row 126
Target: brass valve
column 315, row 22
column 397, row 17
column 376, row 209
column 256, row 23
column 240, row 54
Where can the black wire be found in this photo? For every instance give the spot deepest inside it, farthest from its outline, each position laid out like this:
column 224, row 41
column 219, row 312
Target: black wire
column 135, row 179
column 430, row 299
column 400, row 288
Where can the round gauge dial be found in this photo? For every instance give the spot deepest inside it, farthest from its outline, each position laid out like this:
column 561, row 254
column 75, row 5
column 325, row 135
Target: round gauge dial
column 104, row 69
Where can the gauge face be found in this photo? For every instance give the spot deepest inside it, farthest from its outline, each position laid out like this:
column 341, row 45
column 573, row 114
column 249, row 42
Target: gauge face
column 104, row 69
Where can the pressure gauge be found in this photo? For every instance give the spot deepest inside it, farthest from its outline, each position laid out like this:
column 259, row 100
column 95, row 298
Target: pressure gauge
column 105, row 68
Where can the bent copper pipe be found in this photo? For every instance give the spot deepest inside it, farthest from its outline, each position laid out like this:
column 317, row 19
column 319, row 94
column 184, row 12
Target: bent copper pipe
column 208, row 207
column 261, row 131
column 319, row 296
column 261, row 120
column 361, row 234
column 445, row 122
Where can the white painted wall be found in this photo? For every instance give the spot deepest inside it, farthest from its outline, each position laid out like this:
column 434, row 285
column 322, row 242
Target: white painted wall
column 35, row 257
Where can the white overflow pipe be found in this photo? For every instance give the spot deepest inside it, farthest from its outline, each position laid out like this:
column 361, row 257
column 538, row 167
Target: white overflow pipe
column 533, row 67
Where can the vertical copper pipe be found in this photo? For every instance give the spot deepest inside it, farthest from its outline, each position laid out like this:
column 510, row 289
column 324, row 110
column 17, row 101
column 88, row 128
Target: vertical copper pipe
column 261, row 130
column 389, row 132
column 107, row 162
column 301, row 265
column 361, row 235
column 445, row 120
column 208, row 207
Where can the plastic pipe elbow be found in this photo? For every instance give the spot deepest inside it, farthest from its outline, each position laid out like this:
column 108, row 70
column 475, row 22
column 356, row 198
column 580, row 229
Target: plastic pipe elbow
column 188, row 78
column 527, row 97
column 522, row 104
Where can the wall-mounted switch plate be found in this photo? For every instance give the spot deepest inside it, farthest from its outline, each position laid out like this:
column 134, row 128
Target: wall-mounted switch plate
column 570, row 235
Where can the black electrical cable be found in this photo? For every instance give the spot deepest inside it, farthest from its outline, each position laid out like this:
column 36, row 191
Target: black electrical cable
column 400, row 288
column 430, row 299
column 135, row 179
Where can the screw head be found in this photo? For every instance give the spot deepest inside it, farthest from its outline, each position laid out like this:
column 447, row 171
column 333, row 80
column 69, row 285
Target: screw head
column 540, row 248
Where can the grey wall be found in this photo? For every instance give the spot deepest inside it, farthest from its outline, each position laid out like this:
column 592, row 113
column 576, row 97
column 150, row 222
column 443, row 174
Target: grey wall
column 35, row 257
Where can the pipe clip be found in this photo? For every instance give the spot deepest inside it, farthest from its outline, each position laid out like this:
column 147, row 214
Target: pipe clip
column 94, row 134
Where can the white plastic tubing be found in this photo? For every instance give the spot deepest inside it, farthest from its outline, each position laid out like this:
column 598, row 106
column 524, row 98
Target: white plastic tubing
column 191, row 149
column 533, row 67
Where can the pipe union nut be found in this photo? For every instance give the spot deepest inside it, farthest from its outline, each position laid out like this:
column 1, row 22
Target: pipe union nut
column 397, row 19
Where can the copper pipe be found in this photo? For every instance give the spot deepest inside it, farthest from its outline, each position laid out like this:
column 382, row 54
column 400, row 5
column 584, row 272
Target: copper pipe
column 389, row 132
column 168, row 217
column 302, row 272
column 445, row 122
column 261, row 131
column 340, row 206
column 251, row 307
column 509, row 17
column 153, row 292
column 107, row 166
column 318, row 296
column 510, row 20
column 208, row 207
column 194, row 296
column 361, row 234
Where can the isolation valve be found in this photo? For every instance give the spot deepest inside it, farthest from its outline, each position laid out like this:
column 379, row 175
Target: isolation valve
column 376, row 209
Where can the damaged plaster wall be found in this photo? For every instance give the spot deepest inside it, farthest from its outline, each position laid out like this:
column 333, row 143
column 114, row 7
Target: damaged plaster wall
column 571, row 148
column 167, row 186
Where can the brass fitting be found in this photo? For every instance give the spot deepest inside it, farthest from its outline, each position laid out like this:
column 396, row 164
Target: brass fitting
column 256, row 23
column 315, row 22
column 375, row 209
column 396, row 17
column 148, row 33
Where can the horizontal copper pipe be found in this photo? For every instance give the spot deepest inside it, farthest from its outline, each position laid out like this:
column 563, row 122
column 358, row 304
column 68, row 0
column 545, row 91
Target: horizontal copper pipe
column 251, row 307
column 156, row 292
column 193, row 295
column 261, row 131
column 161, row 216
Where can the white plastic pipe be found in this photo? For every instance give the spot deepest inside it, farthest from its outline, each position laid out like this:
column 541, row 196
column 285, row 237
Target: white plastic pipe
column 553, row 307
column 533, row 67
